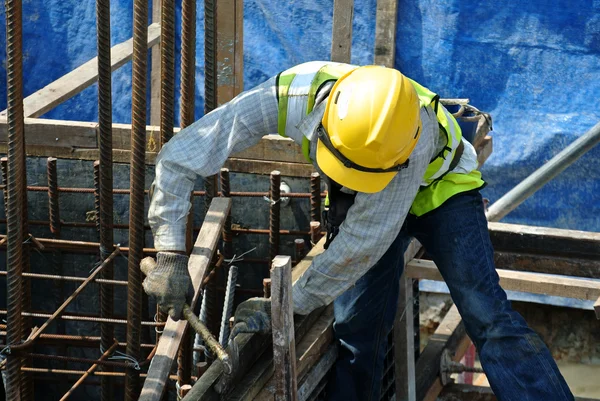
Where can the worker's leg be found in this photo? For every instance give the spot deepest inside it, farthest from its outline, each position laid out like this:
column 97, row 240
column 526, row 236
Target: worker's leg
column 364, row 316
column 517, row 363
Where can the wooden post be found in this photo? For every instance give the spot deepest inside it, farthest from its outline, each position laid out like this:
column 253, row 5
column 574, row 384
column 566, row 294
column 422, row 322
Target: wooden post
column 155, row 70
column 230, row 49
column 282, row 314
column 597, row 308
column 341, row 37
column 385, row 32
column 404, row 343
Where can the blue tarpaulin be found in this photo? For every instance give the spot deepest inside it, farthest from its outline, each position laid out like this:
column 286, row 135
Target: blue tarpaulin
column 535, row 66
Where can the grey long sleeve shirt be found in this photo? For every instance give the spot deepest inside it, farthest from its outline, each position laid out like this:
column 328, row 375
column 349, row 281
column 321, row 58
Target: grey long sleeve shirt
column 371, row 225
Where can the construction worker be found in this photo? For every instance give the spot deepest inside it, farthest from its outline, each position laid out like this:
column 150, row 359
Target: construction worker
column 396, row 167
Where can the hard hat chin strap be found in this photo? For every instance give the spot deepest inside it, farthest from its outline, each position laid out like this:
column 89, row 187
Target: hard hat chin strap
column 324, row 138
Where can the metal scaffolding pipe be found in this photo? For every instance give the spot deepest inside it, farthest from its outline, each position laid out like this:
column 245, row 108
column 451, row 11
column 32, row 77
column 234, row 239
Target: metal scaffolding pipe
column 136, row 199
column 542, row 175
column 14, row 209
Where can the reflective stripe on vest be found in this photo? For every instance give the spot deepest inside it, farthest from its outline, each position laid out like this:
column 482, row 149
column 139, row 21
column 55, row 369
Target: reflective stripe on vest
column 298, row 87
column 439, row 165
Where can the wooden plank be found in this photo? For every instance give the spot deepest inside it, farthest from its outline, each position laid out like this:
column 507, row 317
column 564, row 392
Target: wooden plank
column 155, row 70
column 314, row 378
column 450, row 335
column 484, row 150
column 341, row 38
column 80, row 78
column 70, row 134
column 282, row 318
column 230, row 45
column 274, row 148
column 200, row 258
column 545, row 240
column 534, row 263
column 265, row 167
column 385, row 32
column 404, row 346
column 466, row 392
column 535, row 283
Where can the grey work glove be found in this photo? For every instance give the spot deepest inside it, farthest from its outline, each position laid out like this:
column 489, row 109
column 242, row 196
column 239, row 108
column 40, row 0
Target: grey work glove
column 252, row 316
column 168, row 281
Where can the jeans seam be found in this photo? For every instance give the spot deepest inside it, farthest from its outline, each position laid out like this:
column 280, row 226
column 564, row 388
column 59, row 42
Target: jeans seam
column 548, row 370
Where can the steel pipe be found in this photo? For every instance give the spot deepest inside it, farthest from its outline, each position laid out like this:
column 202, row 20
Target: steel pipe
column 542, row 175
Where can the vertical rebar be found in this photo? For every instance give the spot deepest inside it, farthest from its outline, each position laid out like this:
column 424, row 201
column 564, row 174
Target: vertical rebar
column 315, row 232
column 55, row 229
column 275, row 209
column 227, row 235
column 97, row 194
column 315, row 197
column 198, row 339
column 167, row 69
column 228, row 305
column 210, row 80
column 136, row 199
column 188, row 62
column 211, row 313
column 4, row 166
column 15, row 184
column 298, row 249
column 267, row 287
column 104, row 217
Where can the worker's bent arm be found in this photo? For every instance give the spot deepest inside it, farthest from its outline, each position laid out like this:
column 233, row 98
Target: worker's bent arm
column 201, row 150
column 371, row 225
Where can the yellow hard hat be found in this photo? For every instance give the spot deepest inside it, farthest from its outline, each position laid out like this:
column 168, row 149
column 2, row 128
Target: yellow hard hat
column 370, row 127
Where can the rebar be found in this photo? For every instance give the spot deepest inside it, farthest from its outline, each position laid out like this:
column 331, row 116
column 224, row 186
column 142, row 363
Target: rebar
column 228, row 305
column 136, row 200
column 267, row 287
column 167, row 70
column 91, row 370
column 188, row 62
column 299, row 249
column 55, row 228
column 315, row 232
column 315, row 197
column 210, row 80
column 4, row 167
column 274, row 215
column 15, row 181
column 83, row 318
column 97, row 195
column 61, row 309
column 227, row 236
column 198, row 342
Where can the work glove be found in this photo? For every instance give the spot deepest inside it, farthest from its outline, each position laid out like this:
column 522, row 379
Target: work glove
column 168, row 280
column 252, row 316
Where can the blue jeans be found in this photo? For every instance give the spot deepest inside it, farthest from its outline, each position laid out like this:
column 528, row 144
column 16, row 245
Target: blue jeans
column 517, row 363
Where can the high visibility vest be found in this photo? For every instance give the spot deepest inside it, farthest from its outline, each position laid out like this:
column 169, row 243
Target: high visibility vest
column 297, row 88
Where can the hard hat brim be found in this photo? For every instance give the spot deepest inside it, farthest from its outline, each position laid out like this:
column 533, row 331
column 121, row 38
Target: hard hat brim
column 350, row 178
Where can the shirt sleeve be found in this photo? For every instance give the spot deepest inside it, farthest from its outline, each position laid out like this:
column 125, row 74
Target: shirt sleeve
column 201, row 149
column 371, row 225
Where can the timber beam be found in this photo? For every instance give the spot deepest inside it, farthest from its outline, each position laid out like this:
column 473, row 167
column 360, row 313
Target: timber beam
column 70, row 84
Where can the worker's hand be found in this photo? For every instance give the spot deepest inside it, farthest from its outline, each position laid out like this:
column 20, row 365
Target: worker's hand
column 252, row 316
column 168, row 280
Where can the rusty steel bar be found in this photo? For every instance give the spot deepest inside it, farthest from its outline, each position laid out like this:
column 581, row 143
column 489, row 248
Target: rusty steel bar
column 91, row 370
column 4, row 167
column 59, row 277
column 167, row 70
column 15, row 181
column 188, row 62
column 315, row 232
column 61, row 308
column 136, row 199
column 121, row 191
column 91, row 341
column 299, row 249
column 227, row 236
column 55, row 228
column 81, row 360
column 210, row 81
column 81, row 372
column 315, row 197
column 97, row 195
column 267, row 287
column 274, row 215
column 84, row 318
